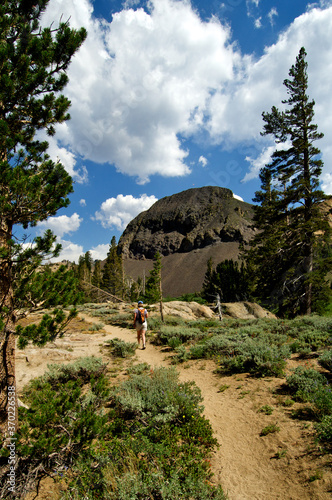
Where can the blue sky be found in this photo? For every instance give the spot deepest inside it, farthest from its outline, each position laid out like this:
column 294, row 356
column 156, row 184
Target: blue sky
column 168, row 95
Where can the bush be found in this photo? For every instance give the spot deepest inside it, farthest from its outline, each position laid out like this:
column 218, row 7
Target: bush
column 312, row 387
column 325, row 360
column 122, row 349
column 324, row 429
column 304, row 382
column 82, row 369
column 322, row 401
column 269, row 429
column 176, row 335
column 160, row 445
column 310, row 341
column 65, row 415
column 256, row 357
column 153, row 440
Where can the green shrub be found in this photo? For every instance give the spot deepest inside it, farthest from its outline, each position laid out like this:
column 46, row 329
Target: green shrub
column 325, row 360
column 153, row 440
column 304, row 382
column 268, row 410
column 312, row 387
column 139, row 369
column 160, row 445
column 322, row 401
column 82, row 369
column 309, row 341
column 256, row 357
column 176, row 335
column 65, row 415
column 269, row 429
column 324, row 429
column 197, row 351
column 122, row 349
column 96, row 327
column 124, row 320
column 181, row 354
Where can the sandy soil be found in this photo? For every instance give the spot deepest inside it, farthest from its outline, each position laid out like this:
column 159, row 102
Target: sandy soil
column 248, row 466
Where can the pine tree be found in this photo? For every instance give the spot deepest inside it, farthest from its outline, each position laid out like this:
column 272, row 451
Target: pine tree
column 294, row 230
column 228, row 280
column 97, row 274
column 33, row 64
column 153, row 289
column 153, row 283
column 209, row 288
column 84, row 274
column 112, row 280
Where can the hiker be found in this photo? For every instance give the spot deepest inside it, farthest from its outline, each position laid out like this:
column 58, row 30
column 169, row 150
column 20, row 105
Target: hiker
column 140, row 323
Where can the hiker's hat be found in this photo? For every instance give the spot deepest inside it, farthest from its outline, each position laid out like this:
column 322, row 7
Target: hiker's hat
column 140, row 302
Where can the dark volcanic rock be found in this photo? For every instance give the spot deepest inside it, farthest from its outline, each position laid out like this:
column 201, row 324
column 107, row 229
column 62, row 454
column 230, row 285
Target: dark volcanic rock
column 187, row 221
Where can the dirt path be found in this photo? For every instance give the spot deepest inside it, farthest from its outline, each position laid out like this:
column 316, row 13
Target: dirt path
column 247, row 465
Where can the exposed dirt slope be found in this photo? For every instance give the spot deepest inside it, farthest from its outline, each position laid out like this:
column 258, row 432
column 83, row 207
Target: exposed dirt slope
column 183, row 272
column 246, row 464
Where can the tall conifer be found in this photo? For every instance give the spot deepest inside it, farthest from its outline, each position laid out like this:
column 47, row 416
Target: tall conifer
column 294, row 229
column 33, row 65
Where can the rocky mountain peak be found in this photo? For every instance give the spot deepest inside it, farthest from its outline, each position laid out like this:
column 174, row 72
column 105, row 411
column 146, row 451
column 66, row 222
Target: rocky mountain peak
column 186, row 221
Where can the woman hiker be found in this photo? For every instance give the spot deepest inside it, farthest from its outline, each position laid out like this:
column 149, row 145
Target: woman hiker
column 140, row 323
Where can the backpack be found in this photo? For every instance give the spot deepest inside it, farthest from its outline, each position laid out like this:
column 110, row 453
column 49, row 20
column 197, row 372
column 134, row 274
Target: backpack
column 140, row 315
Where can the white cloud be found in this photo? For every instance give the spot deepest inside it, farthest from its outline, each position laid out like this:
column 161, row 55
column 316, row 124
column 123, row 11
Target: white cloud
column 235, row 116
column 203, row 161
column 99, row 252
column 148, row 82
column 70, row 251
column 145, row 81
column 257, row 163
column 83, row 203
column 272, row 14
column 118, row 212
column 258, row 22
column 262, row 159
column 62, row 224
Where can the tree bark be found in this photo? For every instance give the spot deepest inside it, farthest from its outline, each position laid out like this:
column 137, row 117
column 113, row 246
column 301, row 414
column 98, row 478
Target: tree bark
column 8, row 414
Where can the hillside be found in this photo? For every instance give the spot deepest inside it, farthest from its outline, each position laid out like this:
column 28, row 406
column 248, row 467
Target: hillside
column 187, row 229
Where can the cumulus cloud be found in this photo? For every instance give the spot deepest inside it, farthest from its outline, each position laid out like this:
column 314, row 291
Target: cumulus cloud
column 62, row 224
column 235, row 117
column 118, row 212
column 265, row 157
column 156, row 78
column 258, row 22
column 149, row 79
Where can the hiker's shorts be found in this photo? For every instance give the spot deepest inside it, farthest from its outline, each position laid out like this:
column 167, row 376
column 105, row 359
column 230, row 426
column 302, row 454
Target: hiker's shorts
column 141, row 326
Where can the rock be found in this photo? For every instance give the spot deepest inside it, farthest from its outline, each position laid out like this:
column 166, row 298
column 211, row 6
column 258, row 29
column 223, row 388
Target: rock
column 185, row 310
column 193, row 311
column 245, row 310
